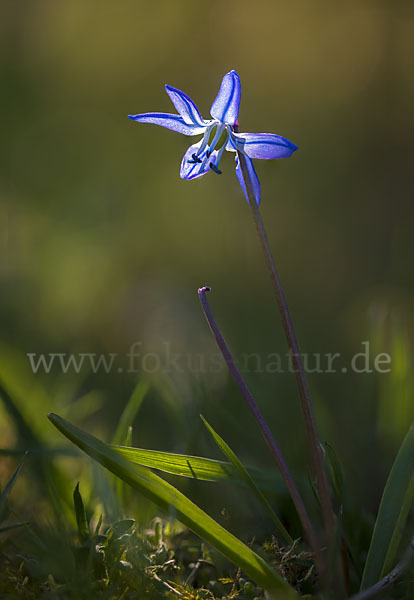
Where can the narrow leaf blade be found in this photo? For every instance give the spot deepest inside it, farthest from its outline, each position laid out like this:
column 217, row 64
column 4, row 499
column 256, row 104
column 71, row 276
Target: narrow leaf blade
column 197, row 467
column 80, row 513
column 165, row 495
column 337, row 471
column 388, row 521
column 8, row 488
column 244, row 474
column 389, row 562
column 130, row 412
column 11, row 526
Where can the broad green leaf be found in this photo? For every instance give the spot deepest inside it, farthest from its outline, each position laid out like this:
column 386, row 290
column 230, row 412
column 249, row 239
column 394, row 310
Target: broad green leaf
column 130, row 412
column 197, row 467
column 388, row 524
column 80, row 513
column 165, row 496
column 245, row 476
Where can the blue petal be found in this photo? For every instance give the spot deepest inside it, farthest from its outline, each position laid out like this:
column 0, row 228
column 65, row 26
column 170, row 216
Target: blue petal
column 192, row 170
column 185, row 106
column 253, row 178
column 225, row 107
column 263, row 145
column 174, row 122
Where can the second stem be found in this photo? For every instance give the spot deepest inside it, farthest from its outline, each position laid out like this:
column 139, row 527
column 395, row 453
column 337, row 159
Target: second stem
column 315, row 449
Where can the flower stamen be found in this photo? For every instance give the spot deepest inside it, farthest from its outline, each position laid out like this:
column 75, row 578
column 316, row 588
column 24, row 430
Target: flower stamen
column 194, row 159
column 215, row 169
column 205, row 140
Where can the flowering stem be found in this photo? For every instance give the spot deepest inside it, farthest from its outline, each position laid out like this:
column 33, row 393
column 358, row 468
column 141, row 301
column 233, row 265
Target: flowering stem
column 315, row 448
column 267, row 434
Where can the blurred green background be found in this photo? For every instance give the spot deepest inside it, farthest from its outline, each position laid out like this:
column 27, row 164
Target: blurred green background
column 103, row 245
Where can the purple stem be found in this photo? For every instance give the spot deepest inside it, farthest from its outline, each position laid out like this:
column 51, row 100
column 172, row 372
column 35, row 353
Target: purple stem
column 267, row 434
column 306, row 402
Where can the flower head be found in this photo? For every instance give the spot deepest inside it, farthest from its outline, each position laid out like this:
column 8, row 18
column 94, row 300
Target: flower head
column 219, row 133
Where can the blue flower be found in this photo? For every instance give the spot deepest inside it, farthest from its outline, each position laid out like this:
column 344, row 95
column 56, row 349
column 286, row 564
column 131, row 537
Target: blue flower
column 219, row 133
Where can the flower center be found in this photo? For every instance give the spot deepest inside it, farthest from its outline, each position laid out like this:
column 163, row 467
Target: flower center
column 215, row 137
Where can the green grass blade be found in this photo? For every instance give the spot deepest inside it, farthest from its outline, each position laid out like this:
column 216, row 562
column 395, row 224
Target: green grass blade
column 5, row 528
column 337, row 472
column 80, row 513
column 128, row 437
column 123, row 433
column 24, row 430
column 26, row 414
column 165, row 496
column 197, row 467
column 8, row 488
column 388, row 524
column 130, row 412
column 245, row 476
column 121, row 488
column 390, row 561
